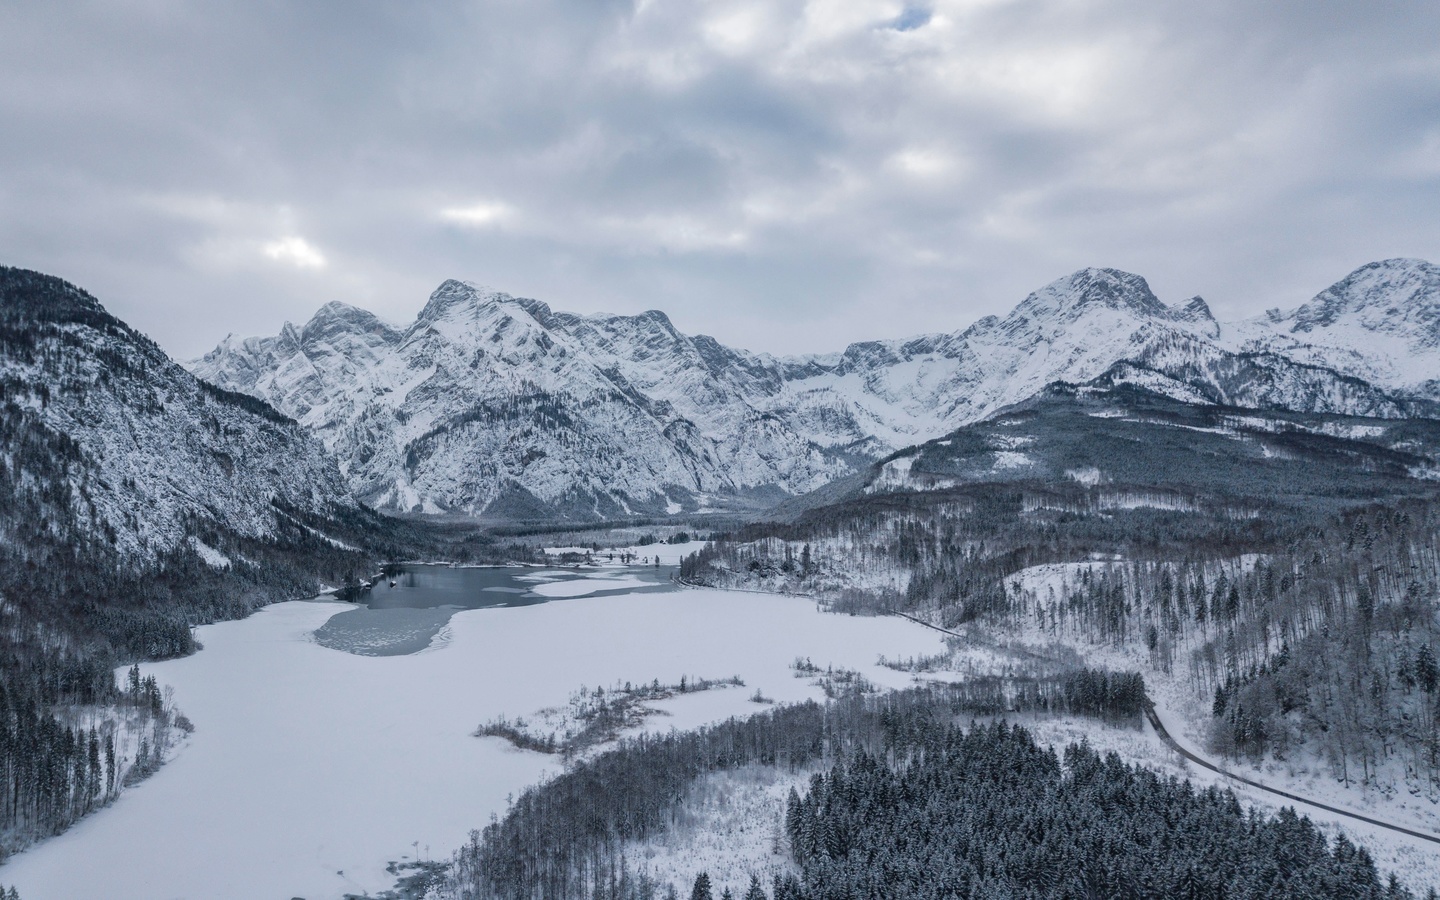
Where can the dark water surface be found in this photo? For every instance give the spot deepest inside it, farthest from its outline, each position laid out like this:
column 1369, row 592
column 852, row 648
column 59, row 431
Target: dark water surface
column 402, row 613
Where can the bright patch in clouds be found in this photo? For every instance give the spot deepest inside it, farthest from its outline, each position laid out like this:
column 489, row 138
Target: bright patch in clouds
column 924, row 163
column 478, row 215
column 295, row 251
column 737, row 31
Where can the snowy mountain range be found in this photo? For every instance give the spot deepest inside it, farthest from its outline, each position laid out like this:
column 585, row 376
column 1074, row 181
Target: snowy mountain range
column 108, row 445
column 494, row 406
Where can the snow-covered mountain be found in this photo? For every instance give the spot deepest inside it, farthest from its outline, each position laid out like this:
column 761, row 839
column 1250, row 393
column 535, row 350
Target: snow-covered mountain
column 107, row 443
column 1091, row 324
column 1380, row 323
column 491, row 405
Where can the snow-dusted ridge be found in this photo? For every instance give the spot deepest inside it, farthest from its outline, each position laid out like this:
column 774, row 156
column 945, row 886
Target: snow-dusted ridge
column 111, row 443
column 495, row 406
column 1380, row 323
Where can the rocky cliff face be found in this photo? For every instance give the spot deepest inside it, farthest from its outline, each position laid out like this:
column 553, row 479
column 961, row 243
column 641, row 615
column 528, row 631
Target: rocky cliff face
column 489, row 405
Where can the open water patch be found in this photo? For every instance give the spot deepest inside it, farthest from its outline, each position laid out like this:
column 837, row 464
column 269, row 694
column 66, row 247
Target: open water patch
column 401, row 614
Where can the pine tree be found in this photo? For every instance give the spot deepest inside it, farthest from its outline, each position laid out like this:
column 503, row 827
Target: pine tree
column 701, row 890
column 1427, row 673
column 755, row 892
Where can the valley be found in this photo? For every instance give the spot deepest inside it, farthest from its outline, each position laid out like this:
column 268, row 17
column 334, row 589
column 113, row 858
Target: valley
column 735, row 450
column 743, row 572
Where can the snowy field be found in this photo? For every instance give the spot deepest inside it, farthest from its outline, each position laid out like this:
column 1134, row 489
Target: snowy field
column 311, row 768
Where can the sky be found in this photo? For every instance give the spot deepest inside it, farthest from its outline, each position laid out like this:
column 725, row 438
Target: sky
column 785, row 176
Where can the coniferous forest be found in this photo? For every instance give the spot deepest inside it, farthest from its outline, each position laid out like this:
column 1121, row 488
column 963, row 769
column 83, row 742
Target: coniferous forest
column 906, row 801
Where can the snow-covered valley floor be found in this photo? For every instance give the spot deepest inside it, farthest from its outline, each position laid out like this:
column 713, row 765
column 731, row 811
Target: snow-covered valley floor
column 311, row 768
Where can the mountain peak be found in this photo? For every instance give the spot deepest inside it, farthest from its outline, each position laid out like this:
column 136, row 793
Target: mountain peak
column 453, row 294
column 1196, row 312
column 1065, row 297
column 1197, row 309
column 336, row 309
column 1397, row 290
column 336, row 318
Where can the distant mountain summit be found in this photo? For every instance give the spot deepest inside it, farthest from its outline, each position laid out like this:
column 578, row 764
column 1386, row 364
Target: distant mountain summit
column 1381, row 323
column 489, row 405
column 492, row 405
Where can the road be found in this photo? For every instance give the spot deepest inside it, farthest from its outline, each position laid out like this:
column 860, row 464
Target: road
column 1207, row 764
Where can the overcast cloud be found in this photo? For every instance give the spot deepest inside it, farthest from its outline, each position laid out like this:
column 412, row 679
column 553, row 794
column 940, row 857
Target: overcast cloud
column 786, row 176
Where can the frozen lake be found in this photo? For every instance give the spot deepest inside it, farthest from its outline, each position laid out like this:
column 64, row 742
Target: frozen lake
column 311, row 767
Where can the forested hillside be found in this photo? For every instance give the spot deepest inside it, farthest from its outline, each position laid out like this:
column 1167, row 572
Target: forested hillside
column 1284, row 567
column 904, row 801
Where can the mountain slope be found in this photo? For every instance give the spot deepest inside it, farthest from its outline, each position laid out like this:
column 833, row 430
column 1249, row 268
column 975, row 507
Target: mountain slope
column 1130, row 448
column 104, row 432
column 490, row 405
column 1380, row 323
column 1072, row 330
column 136, row 501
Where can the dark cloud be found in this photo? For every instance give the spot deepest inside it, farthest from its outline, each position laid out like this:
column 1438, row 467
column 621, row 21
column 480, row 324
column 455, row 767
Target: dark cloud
column 784, row 175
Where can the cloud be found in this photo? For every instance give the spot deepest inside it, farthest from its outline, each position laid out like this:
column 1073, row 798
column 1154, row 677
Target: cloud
column 787, row 175
column 294, row 251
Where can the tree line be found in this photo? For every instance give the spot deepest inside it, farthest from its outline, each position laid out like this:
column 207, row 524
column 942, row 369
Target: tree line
column 910, row 804
column 1309, row 627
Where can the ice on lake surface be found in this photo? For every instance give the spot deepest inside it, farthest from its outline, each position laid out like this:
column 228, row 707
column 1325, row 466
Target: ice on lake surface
column 310, row 769
column 404, row 613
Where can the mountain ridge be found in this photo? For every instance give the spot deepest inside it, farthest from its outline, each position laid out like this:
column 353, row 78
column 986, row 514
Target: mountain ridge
column 130, row 430
column 677, row 423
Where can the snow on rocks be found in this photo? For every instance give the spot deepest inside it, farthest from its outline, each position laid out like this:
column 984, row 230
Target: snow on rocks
column 600, row 416
column 212, row 557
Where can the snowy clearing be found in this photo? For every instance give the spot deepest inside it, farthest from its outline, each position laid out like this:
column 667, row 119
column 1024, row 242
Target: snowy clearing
column 731, row 827
column 311, row 768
